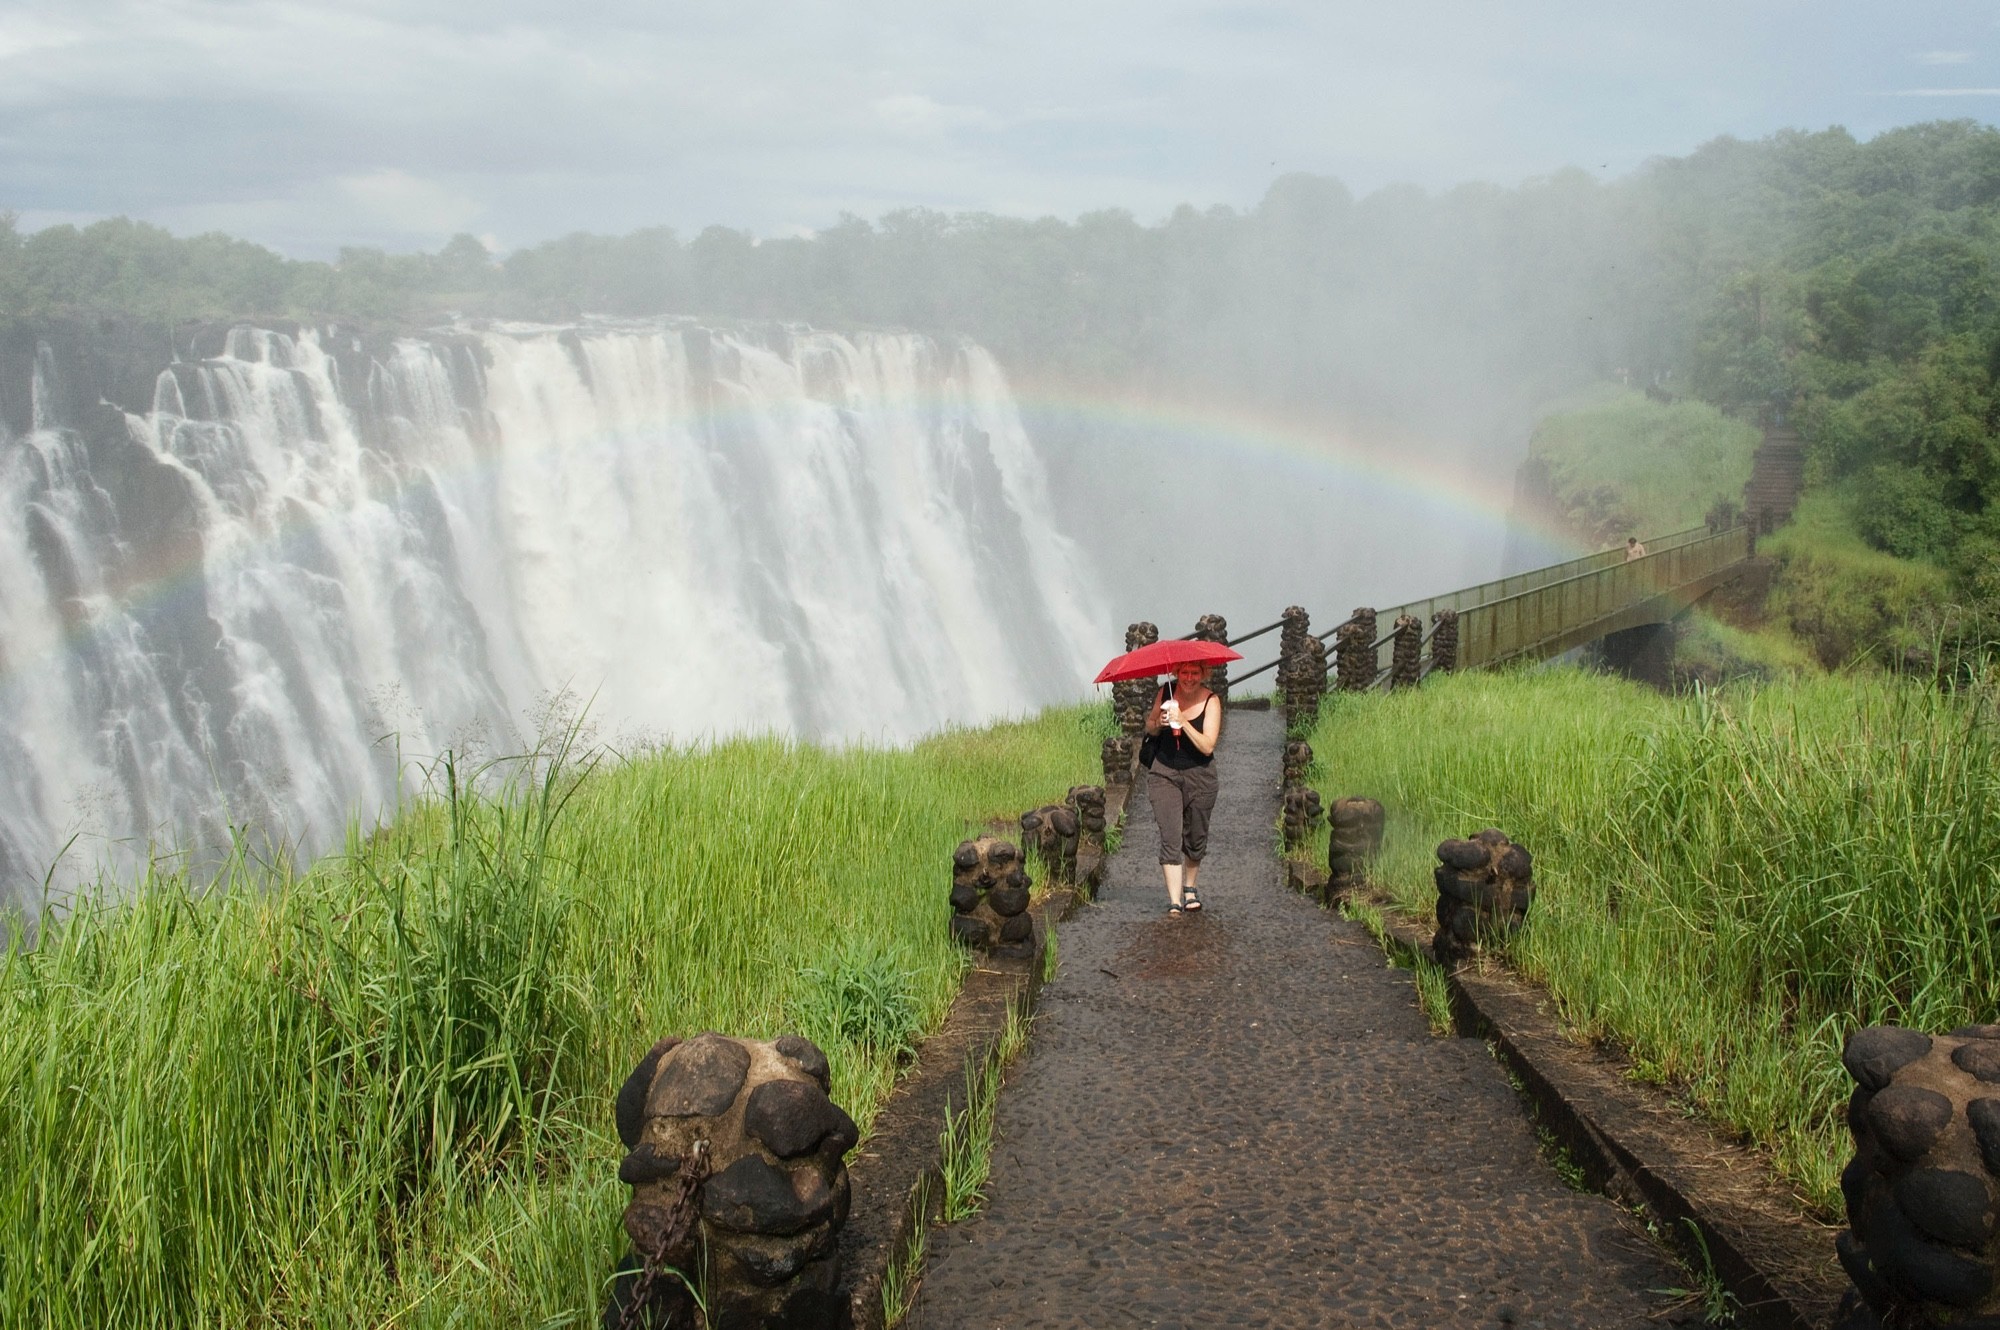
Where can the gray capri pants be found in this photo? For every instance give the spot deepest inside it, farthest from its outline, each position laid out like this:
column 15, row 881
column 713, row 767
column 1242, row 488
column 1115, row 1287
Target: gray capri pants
column 1182, row 801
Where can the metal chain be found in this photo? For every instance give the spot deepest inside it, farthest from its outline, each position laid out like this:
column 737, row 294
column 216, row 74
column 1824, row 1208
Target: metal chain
column 674, row 1234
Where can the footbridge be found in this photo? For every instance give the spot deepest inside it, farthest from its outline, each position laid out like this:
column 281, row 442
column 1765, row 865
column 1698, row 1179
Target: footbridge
column 1623, row 602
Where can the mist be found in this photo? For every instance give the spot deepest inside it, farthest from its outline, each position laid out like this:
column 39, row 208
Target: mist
column 922, row 443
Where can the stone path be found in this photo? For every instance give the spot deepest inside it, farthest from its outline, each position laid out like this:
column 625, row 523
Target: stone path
column 1241, row 1119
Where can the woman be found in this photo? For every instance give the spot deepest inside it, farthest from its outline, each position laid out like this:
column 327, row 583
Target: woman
column 1181, row 780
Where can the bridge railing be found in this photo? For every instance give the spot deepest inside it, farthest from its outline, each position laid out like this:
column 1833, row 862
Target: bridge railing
column 1567, row 611
column 1521, row 613
column 1505, row 588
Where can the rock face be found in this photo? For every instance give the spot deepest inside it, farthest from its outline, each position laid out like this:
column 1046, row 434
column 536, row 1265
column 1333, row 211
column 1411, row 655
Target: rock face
column 1299, row 815
column 736, row 1164
column 1051, row 832
column 989, row 898
column 1355, row 840
column 1923, row 1238
column 1485, row 886
column 1444, row 642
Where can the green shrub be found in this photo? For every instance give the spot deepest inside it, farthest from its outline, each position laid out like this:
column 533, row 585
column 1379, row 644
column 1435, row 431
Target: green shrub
column 1846, row 601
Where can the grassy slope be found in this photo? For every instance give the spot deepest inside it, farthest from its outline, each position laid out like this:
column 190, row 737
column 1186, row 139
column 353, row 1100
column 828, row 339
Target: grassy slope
column 1844, row 599
column 1622, row 464
column 378, row 1093
column 1712, row 651
column 1728, row 883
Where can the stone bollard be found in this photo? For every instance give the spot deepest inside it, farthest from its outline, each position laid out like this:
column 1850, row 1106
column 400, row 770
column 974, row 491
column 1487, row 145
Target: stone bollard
column 1444, row 642
column 989, row 898
column 1484, row 888
column 1354, row 652
column 1296, row 627
column 1299, row 815
column 1301, row 668
column 1921, row 1244
column 1215, row 628
column 1118, row 755
column 1087, row 802
column 736, row 1164
column 1406, row 667
column 1308, row 686
column 1131, row 699
column 1051, row 832
column 1298, row 761
column 1355, row 839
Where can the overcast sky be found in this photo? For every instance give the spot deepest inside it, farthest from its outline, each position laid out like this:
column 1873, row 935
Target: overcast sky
column 398, row 122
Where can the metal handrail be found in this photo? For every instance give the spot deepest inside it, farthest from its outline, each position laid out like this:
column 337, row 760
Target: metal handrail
column 1231, row 683
column 1471, row 630
column 1352, row 618
column 1515, row 585
column 1511, row 588
column 1257, row 632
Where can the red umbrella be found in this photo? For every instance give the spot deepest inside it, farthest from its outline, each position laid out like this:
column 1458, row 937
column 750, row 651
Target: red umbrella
column 1161, row 657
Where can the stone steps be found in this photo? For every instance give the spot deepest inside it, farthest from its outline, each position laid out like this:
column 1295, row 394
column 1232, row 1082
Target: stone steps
column 1777, row 475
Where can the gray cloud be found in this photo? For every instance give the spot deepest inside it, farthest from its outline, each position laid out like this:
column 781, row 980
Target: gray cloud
column 310, row 125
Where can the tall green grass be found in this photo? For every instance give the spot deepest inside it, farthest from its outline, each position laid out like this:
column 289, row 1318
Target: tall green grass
column 1728, row 882
column 1621, row 464
column 377, row 1092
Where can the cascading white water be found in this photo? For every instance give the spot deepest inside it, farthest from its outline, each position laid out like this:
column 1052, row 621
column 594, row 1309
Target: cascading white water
column 328, row 560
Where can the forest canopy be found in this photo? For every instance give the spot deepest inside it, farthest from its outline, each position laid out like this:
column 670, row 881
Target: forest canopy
column 1850, row 283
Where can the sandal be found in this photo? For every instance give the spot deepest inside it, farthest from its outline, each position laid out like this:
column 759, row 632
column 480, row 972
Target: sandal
column 1189, row 901
column 1173, row 911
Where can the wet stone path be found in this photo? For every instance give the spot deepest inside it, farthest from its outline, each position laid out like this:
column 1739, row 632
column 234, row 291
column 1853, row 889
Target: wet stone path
column 1240, row 1118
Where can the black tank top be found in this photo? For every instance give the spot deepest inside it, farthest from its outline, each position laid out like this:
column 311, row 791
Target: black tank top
column 1178, row 751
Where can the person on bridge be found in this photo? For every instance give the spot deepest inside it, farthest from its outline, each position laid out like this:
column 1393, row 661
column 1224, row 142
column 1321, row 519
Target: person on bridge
column 1633, row 549
column 1183, row 726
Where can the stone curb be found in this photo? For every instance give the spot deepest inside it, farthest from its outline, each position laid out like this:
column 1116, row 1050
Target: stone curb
column 899, row 1164
column 1632, row 1144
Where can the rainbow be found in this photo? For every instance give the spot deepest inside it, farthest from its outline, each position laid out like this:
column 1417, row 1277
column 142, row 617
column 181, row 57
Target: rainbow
column 1379, row 469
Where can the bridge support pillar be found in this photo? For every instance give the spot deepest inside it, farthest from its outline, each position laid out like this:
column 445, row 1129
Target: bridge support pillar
column 1644, row 654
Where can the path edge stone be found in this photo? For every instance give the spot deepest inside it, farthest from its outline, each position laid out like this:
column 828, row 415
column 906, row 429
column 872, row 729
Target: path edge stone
column 1758, row 1260
column 899, row 1163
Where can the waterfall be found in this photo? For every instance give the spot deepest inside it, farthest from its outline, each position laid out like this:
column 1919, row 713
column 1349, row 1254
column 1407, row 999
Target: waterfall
column 248, row 606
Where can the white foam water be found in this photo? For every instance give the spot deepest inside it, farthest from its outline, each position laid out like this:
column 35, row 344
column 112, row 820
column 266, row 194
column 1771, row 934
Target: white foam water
column 357, row 558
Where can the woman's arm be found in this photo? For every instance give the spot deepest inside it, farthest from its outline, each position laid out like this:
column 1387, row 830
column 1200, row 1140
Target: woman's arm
column 1153, row 721
column 1211, row 725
